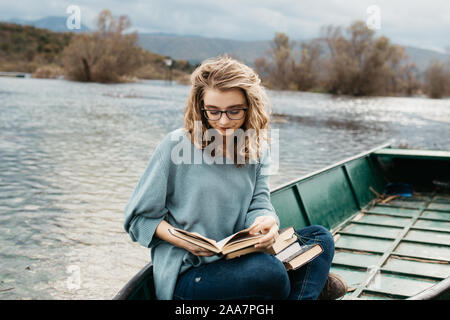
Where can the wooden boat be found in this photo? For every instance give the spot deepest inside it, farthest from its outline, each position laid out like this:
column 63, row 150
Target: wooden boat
column 13, row 74
column 387, row 247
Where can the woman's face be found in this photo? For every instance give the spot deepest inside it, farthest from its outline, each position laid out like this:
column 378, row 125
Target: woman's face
column 233, row 101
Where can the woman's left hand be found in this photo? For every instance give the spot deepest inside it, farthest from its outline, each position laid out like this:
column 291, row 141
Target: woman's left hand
column 268, row 226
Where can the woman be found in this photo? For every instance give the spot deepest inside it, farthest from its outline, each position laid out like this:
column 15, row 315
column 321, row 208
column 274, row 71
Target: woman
column 211, row 177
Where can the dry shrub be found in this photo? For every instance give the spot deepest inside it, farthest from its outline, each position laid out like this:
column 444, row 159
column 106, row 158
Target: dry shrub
column 359, row 64
column 437, row 80
column 306, row 75
column 277, row 69
column 353, row 62
column 107, row 55
column 50, row 71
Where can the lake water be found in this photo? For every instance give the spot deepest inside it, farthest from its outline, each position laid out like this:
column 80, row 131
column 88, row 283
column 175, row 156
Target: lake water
column 71, row 154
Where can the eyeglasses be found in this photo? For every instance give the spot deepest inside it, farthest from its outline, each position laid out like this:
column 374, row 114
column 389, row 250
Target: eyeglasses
column 233, row 114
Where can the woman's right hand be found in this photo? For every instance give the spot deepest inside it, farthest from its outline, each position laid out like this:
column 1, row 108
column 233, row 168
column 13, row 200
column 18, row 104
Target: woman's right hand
column 194, row 249
column 162, row 232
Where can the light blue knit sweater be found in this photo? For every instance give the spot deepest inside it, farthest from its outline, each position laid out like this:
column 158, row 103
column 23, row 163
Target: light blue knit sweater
column 215, row 200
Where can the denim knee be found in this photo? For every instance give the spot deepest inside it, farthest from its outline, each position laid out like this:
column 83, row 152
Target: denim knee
column 325, row 235
column 321, row 235
column 272, row 279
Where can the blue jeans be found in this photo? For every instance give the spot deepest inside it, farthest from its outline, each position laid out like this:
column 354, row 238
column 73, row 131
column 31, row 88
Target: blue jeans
column 260, row 275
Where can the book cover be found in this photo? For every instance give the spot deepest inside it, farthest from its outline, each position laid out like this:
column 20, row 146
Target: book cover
column 286, row 237
column 295, row 256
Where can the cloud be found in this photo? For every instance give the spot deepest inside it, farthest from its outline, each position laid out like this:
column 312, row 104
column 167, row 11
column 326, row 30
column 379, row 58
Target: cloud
column 423, row 24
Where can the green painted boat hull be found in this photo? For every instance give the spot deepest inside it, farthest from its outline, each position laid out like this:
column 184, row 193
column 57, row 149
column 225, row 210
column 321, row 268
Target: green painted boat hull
column 394, row 250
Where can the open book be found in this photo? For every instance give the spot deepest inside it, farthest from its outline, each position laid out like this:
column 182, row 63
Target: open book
column 236, row 241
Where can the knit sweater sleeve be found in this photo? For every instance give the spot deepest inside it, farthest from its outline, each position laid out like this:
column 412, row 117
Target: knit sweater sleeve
column 147, row 206
column 260, row 204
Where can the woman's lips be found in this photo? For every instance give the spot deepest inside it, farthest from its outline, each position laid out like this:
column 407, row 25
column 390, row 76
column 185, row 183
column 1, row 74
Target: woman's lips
column 224, row 130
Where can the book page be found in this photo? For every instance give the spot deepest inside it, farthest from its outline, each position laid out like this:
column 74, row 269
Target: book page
column 305, row 257
column 222, row 242
column 240, row 236
column 286, row 234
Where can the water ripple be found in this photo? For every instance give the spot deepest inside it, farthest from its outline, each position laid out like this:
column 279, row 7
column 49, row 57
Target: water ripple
column 71, row 154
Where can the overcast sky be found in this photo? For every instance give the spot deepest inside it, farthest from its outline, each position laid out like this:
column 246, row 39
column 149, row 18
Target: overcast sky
column 424, row 24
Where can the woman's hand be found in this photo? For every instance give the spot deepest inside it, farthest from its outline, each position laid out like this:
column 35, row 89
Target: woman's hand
column 194, row 249
column 162, row 232
column 268, row 226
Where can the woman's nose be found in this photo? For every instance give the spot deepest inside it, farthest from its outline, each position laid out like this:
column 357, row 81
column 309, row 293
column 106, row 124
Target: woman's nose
column 224, row 119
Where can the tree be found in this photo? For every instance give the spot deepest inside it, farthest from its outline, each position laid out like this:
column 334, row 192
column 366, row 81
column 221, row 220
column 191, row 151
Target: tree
column 307, row 72
column 107, row 55
column 437, row 80
column 277, row 70
column 348, row 61
column 359, row 64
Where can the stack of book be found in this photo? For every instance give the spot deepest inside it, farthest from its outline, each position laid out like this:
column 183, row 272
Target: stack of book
column 286, row 248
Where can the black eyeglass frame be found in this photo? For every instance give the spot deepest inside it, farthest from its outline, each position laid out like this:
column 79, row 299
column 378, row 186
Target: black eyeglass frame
column 222, row 112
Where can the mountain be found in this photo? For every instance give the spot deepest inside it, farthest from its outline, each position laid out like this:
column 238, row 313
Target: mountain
column 422, row 57
column 55, row 24
column 195, row 49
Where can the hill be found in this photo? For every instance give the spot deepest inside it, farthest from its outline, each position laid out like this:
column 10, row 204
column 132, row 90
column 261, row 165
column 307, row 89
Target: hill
column 194, row 49
column 39, row 51
column 24, row 48
column 55, row 24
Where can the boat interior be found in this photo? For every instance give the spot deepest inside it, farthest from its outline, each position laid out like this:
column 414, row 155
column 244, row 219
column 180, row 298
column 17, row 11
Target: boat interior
column 387, row 246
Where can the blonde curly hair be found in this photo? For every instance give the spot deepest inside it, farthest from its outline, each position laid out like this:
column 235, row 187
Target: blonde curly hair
column 223, row 73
